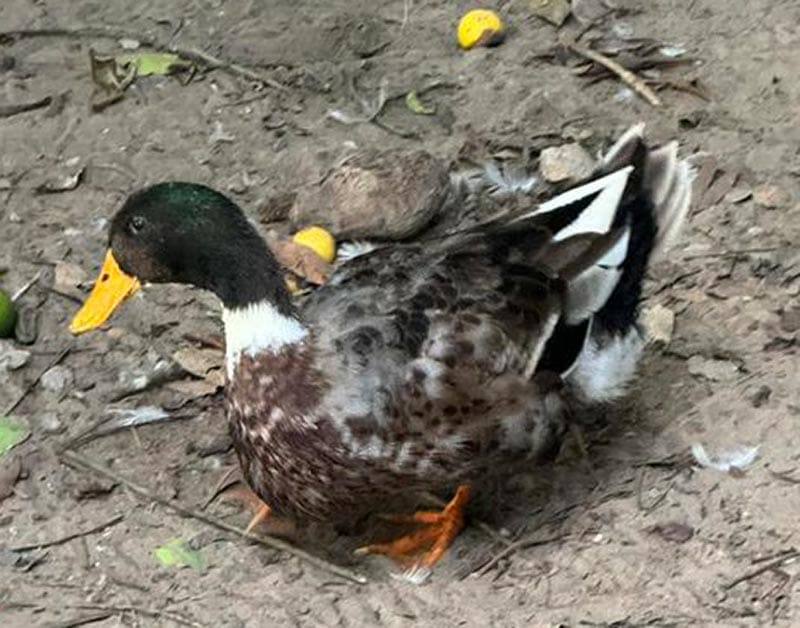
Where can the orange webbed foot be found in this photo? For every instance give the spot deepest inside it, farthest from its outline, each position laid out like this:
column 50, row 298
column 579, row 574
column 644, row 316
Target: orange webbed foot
column 422, row 548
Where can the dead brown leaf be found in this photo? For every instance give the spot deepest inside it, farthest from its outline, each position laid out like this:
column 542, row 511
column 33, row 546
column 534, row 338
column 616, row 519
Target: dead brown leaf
column 299, row 259
column 672, row 531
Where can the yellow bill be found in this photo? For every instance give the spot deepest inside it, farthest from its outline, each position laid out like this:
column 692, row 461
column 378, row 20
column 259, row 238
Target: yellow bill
column 112, row 287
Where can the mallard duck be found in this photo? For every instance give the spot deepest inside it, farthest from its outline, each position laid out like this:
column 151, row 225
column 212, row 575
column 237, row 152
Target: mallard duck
column 417, row 367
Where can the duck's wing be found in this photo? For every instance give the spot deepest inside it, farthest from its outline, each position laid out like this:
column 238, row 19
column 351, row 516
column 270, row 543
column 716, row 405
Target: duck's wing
column 511, row 298
column 474, row 306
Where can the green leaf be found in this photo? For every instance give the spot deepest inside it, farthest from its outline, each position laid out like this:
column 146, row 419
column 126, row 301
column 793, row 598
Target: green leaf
column 154, row 63
column 417, row 106
column 177, row 553
column 12, row 433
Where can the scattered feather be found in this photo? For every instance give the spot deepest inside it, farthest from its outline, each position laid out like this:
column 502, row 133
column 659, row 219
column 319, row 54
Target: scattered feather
column 739, row 458
column 351, row 250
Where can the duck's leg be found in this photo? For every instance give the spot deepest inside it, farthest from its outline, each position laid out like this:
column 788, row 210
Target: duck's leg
column 242, row 493
column 435, row 534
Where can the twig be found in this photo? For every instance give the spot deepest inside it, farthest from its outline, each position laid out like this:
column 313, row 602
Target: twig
column 81, row 621
column 731, row 253
column 200, row 56
column 625, row 75
column 69, row 537
column 32, row 385
column 191, row 54
column 75, row 458
column 765, row 567
column 147, row 612
column 6, row 111
column 19, row 293
column 518, row 545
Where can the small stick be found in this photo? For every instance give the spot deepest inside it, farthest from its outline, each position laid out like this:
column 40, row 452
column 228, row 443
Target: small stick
column 625, row 75
column 765, row 567
column 81, row 621
column 32, row 385
column 191, row 54
column 147, row 612
column 19, row 293
column 69, row 537
column 6, row 111
column 518, row 545
column 75, row 458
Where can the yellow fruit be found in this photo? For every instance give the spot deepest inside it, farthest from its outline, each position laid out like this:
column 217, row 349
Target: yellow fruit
column 318, row 240
column 7, row 315
column 480, row 27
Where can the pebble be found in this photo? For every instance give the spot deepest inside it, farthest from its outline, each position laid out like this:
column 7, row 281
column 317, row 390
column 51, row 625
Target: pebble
column 790, row 319
column 11, row 358
column 713, row 369
column 569, row 162
column 760, row 396
column 49, row 423
column 57, row 379
column 770, row 196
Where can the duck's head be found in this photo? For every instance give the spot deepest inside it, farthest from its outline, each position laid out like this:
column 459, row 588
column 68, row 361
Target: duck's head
column 183, row 233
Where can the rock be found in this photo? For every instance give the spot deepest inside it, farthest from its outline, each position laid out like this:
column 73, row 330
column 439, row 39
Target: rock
column 57, row 379
column 49, row 423
column 388, row 195
column 11, row 358
column 659, row 323
column 569, row 162
column 68, row 277
column 760, row 396
column 770, row 196
column 672, row 531
column 713, row 369
column 26, row 329
column 789, row 321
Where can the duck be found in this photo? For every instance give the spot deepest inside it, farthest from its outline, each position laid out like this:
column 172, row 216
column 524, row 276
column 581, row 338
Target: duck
column 422, row 366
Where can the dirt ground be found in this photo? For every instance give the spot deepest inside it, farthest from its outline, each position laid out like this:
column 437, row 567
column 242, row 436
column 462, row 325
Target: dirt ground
column 637, row 533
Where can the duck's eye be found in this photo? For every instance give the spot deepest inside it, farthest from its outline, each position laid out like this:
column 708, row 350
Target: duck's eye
column 136, row 224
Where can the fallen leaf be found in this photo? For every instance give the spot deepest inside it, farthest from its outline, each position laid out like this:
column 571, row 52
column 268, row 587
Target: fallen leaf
column 61, row 182
column 155, row 63
column 672, row 531
column 110, row 80
column 588, row 12
column 299, row 259
column 554, row 11
column 112, row 75
column 12, row 433
column 177, row 553
column 415, row 105
column 739, row 458
column 713, row 369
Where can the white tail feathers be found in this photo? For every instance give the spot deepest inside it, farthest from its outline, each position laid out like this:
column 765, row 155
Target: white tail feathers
column 589, row 291
column 666, row 178
column 671, row 212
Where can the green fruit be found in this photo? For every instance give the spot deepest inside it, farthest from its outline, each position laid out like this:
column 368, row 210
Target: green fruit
column 7, row 315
